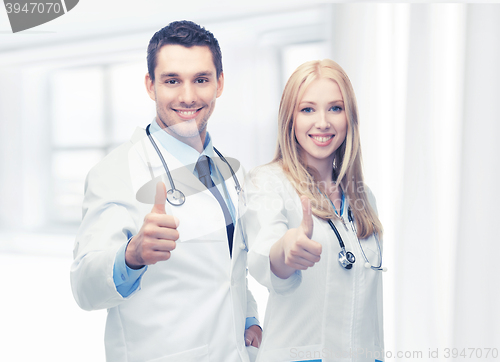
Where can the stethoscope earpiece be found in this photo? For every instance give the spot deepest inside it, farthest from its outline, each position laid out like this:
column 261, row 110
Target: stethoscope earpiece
column 369, row 266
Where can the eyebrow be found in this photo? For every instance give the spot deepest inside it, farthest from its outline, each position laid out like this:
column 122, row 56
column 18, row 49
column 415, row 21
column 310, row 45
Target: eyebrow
column 314, row 103
column 199, row 74
column 204, row 74
column 166, row 75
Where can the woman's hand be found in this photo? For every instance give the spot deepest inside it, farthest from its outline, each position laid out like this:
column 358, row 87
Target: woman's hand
column 295, row 250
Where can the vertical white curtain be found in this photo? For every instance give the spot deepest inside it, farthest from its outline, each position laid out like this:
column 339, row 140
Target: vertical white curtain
column 427, row 80
column 426, row 224
column 477, row 292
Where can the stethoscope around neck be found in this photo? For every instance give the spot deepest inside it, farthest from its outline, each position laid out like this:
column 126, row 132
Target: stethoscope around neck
column 347, row 258
column 176, row 197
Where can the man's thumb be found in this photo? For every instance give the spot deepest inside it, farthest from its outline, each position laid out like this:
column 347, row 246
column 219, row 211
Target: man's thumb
column 160, row 198
column 307, row 221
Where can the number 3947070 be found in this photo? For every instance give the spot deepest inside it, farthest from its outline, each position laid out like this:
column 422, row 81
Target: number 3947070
column 471, row 353
column 32, row 8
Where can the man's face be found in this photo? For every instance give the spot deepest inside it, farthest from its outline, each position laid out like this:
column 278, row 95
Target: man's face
column 185, row 89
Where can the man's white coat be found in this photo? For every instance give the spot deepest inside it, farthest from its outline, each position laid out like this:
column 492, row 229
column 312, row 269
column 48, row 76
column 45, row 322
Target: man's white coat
column 191, row 307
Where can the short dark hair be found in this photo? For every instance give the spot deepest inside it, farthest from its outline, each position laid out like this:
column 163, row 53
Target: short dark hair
column 185, row 33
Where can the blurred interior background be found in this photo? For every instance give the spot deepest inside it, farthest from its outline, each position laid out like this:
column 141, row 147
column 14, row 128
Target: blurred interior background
column 427, row 81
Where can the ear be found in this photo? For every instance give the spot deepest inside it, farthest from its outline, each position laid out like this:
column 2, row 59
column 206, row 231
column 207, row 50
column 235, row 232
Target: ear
column 220, row 84
column 150, row 87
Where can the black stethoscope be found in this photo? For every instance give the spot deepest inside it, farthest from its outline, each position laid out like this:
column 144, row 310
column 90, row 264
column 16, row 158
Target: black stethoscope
column 175, row 197
column 347, row 258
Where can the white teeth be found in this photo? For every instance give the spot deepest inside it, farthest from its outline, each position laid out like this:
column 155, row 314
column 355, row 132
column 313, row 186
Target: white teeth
column 322, row 139
column 187, row 113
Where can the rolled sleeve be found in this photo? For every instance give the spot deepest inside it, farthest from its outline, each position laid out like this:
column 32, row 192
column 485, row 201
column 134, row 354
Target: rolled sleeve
column 251, row 321
column 127, row 280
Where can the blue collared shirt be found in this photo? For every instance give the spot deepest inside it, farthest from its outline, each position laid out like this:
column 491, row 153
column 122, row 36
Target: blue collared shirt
column 127, row 280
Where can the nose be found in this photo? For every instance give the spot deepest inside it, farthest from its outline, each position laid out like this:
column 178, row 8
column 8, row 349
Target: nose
column 322, row 121
column 187, row 94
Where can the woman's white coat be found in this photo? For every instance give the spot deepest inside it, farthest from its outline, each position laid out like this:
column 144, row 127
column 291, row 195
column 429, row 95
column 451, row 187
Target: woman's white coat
column 325, row 312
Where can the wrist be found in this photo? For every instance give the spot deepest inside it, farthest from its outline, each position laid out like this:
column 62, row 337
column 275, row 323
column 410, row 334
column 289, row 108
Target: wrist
column 277, row 259
column 130, row 259
column 255, row 326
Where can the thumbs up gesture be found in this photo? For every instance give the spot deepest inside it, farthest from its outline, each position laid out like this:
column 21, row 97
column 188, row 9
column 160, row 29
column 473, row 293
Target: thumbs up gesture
column 295, row 250
column 306, row 226
column 157, row 236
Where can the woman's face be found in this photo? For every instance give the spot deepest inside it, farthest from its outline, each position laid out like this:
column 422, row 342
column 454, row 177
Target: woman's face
column 321, row 122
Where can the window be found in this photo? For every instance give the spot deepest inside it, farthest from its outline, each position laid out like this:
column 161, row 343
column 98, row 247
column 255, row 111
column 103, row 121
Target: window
column 93, row 109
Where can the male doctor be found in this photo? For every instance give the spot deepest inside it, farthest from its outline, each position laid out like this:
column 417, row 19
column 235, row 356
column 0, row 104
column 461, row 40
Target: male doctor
column 173, row 278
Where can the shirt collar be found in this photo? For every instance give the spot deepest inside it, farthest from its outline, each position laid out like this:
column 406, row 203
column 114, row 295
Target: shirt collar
column 186, row 154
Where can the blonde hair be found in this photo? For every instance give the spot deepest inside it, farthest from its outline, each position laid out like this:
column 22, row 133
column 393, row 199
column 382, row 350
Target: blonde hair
column 347, row 165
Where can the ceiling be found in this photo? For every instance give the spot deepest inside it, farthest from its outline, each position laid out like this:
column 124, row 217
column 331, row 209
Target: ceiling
column 96, row 19
column 93, row 19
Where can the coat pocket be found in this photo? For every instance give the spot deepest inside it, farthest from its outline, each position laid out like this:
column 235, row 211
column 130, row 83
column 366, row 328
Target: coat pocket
column 198, row 354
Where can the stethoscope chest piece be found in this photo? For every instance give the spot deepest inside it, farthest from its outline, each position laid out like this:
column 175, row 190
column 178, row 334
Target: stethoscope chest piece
column 346, row 259
column 175, row 197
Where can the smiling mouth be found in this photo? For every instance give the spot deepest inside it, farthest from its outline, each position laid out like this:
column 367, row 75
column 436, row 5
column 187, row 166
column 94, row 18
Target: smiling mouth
column 187, row 113
column 322, row 139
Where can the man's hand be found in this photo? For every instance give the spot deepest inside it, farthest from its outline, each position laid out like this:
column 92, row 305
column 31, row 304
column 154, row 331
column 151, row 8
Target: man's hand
column 157, row 236
column 253, row 336
column 295, row 250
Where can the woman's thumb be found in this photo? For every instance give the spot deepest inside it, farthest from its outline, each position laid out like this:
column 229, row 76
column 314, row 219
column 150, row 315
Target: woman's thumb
column 307, row 221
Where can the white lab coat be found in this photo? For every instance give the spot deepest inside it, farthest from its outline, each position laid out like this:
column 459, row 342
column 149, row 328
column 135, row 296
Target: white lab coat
column 325, row 312
column 190, row 308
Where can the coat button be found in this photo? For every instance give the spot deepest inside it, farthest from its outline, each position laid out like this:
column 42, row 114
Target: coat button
column 111, row 282
column 242, row 246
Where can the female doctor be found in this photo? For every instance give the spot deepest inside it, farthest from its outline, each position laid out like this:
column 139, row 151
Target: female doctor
column 313, row 230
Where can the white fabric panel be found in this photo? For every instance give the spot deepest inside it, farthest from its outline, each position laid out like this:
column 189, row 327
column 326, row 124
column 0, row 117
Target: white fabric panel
column 477, row 316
